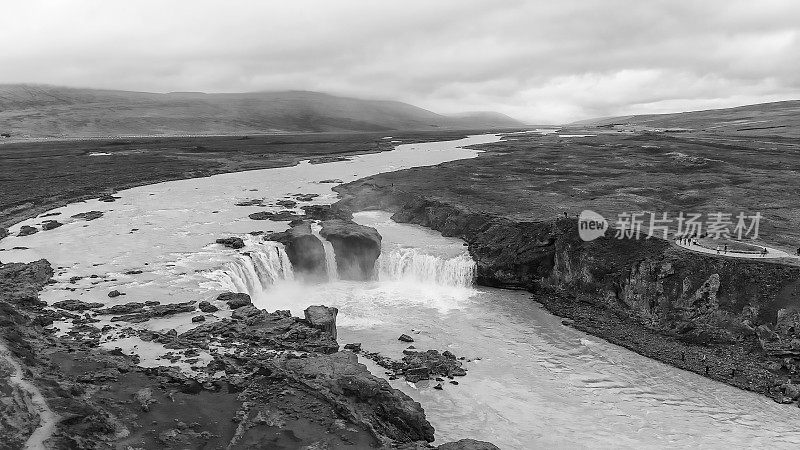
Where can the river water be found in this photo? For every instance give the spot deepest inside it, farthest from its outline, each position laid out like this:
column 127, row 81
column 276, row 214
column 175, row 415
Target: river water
column 531, row 381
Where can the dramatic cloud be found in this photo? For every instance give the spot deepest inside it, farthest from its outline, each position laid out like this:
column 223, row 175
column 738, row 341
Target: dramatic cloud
column 540, row 61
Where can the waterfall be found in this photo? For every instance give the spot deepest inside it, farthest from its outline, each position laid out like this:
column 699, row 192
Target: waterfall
column 409, row 264
column 330, row 256
column 253, row 271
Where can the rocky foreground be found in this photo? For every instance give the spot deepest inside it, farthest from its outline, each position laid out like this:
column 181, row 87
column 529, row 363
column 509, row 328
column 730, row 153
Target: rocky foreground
column 273, row 381
column 733, row 320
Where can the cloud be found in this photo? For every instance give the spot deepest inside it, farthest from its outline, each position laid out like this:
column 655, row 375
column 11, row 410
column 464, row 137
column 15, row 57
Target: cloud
column 540, row 61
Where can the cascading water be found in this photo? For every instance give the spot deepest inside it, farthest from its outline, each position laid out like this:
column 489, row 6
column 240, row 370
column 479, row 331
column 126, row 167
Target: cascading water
column 253, row 271
column 330, row 256
column 410, row 264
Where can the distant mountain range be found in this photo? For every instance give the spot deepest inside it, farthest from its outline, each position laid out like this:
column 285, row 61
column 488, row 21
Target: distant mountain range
column 778, row 118
column 52, row 111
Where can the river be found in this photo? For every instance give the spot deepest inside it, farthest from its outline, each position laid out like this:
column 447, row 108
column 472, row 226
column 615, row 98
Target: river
column 531, row 382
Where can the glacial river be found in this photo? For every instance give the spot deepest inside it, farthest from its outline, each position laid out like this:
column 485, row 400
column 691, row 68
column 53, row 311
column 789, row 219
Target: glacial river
column 531, row 381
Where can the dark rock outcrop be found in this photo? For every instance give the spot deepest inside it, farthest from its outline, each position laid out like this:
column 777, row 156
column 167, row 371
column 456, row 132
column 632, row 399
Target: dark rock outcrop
column 405, row 338
column 127, row 308
column 324, row 212
column 155, row 311
column 322, row 317
column 280, row 216
column 305, row 197
column 231, row 242
column 89, row 215
column 355, row 246
column 48, row 225
column 304, row 250
column 235, row 299
column 76, row 305
column 340, row 376
column 207, row 307
column 26, row 230
column 3, row 232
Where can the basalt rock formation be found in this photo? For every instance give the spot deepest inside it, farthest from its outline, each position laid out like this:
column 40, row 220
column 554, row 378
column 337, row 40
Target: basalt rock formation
column 356, row 247
column 734, row 320
column 304, row 250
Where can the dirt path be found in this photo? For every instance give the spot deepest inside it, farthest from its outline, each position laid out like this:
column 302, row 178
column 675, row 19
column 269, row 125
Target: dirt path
column 37, row 404
column 772, row 253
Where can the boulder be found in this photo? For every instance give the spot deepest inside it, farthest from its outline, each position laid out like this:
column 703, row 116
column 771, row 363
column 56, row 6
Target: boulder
column 26, row 230
column 48, row 225
column 231, row 242
column 196, row 319
column 304, row 250
column 279, row 216
column 323, row 318
column 405, row 338
column 89, row 215
column 235, row 299
column 207, row 307
column 286, row 203
column 114, row 293
column 356, row 247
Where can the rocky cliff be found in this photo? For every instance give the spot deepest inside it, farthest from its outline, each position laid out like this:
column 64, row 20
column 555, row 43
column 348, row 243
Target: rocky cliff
column 734, row 320
column 280, row 382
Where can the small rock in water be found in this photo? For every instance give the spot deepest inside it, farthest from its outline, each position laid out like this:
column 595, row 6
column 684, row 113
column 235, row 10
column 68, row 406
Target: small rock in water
column 207, row 307
column 51, row 224
column 405, row 338
column 196, row 319
column 25, row 230
column 87, row 216
column 438, row 386
column 114, row 293
column 454, row 382
column 231, row 242
column 354, row 347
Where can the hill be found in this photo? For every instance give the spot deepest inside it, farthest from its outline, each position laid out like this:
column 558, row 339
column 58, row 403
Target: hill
column 51, row 111
column 777, row 118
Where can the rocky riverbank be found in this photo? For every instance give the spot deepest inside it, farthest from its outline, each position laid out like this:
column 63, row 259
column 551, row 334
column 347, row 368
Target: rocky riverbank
column 271, row 381
column 733, row 320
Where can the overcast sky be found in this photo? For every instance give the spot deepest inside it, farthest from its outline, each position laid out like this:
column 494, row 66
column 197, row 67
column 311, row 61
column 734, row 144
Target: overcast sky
column 539, row 61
